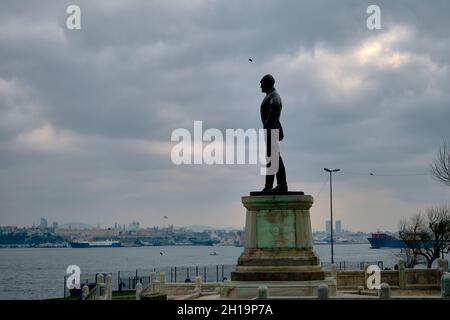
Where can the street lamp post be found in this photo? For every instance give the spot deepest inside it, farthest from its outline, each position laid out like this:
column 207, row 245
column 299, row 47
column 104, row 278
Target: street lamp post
column 331, row 208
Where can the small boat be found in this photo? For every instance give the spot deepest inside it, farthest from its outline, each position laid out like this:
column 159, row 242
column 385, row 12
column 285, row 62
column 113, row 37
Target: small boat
column 213, row 254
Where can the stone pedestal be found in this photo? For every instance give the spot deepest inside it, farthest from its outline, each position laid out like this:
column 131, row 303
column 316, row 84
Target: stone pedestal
column 278, row 248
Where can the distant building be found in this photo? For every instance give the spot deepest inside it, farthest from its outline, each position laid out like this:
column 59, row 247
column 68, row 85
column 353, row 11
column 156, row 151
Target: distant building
column 328, row 227
column 134, row 226
column 338, row 227
column 43, row 224
column 86, row 234
column 55, row 225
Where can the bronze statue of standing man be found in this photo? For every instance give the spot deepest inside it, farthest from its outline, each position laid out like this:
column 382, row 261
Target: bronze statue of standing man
column 270, row 116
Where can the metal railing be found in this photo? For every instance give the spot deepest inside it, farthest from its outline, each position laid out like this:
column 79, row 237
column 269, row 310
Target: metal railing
column 127, row 280
column 183, row 274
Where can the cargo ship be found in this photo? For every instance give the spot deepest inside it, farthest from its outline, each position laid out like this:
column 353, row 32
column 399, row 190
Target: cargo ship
column 203, row 242
column 95, row 244
column 383, row 240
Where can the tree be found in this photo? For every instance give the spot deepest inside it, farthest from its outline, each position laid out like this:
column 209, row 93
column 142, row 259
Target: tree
column 429, row 235
column 440, row 168
column 407, row 255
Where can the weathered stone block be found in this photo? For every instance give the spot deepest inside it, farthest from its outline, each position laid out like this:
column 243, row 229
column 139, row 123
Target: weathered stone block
column 275, row 229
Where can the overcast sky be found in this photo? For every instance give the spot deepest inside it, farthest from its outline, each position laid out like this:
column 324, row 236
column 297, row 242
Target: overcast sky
column 86, row 115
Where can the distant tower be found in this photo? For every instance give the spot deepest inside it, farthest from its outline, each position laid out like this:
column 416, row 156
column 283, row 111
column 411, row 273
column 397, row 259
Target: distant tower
column 134, row 226
column 55, row 225
column 328, row 227
column 43, row 224
column 338, row 227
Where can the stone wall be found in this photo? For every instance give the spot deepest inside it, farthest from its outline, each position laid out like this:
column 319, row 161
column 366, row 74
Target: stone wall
column 409, row 279
column 179, row 289
column 415, row 279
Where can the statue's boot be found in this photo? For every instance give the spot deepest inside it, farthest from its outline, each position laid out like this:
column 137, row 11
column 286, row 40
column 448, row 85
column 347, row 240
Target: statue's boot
column 280, row 188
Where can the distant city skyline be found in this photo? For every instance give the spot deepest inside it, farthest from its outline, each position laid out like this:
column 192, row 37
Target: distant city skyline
column 136, row 225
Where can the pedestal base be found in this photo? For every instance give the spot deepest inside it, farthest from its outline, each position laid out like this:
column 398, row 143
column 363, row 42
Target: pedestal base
column 278, row 249
column 278, row 265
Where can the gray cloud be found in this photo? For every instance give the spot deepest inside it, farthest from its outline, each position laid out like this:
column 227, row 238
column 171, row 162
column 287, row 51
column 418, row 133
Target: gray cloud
column 86, row 116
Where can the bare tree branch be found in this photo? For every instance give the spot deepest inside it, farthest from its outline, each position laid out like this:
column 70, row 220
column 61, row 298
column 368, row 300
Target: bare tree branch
column 440, row 168
column 428, row 237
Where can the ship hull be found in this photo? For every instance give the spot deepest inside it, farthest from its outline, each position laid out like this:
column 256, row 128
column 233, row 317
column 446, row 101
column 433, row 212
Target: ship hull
column 203, row 242
column 93, row 245
column 377, row 243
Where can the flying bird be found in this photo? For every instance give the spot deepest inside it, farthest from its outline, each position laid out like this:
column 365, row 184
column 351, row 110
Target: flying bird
column 250, row 59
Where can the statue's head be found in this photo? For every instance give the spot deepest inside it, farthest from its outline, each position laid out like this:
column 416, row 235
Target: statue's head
column 267, row 83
